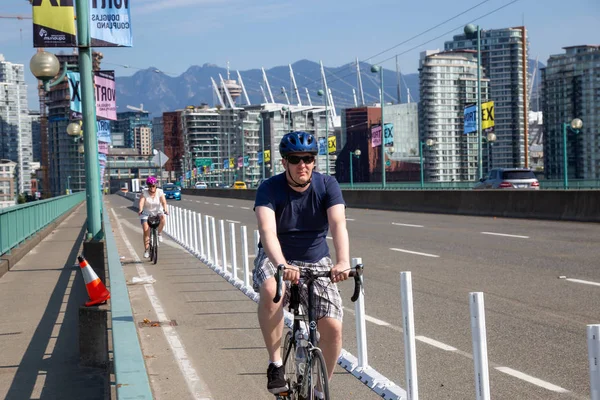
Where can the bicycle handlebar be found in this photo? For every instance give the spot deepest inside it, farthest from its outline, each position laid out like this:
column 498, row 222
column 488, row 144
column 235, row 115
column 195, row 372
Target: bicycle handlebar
column 356, row 273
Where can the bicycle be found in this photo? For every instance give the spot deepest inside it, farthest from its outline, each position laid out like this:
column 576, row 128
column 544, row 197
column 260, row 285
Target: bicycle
column 307, row 370
column 153, row 223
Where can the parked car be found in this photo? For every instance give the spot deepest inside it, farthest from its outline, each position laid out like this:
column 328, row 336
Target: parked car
column 172, row 191
column 201, row 185
column 509, row 178
column 239, row 185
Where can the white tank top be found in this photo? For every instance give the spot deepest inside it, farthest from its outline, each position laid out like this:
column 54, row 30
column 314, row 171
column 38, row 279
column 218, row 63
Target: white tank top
column 152, row 205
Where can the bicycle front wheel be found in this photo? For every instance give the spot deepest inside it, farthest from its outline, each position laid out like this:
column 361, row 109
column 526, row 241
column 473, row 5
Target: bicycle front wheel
column 289, row 362
column 154, row 254
column 318, row 375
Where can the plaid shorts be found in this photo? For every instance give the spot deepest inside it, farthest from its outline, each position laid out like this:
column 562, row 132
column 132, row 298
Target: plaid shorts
column 327, row 299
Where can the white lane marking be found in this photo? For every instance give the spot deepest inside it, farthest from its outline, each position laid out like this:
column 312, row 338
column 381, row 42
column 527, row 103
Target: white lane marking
column 531, row 379
column 206, row 202
column 216, row 204
column 582, row 281
column 369, row 318
column 414, row 252
column 411, row 225
column 435, row 343
column 230, row 220
column 350, row 219
column 329, row 237
column 505, row 234
column 197, row 201
column 245, row 208
column 230, row 206
column 196, row 386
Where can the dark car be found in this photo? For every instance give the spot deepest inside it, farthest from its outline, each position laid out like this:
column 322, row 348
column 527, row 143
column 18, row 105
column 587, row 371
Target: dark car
column 172, row 191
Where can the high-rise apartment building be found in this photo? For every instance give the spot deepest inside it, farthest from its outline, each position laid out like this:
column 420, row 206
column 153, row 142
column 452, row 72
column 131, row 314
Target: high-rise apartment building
column 158, row 136
column 504, row 58
column 571, row 89
column 142, row 140
column 36, row 135
column 7, row 183
column 448, row 83
column 126, row 123
column 202, row 142
column 15, row 123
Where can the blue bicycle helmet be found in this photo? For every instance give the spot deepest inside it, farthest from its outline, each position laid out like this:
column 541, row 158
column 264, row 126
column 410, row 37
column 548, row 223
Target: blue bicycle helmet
column 298, row 142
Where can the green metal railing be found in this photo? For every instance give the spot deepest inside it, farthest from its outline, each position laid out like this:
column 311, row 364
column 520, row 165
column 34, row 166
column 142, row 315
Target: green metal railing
column 549, row 184
column 20, row 222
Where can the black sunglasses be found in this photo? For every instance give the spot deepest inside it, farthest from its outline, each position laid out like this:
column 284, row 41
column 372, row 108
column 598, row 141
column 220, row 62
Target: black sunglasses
column 296, row 159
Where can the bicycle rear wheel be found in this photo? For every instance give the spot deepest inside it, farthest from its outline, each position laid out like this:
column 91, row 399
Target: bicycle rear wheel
column 154, row 255
column 289, row 362
column 318, row 375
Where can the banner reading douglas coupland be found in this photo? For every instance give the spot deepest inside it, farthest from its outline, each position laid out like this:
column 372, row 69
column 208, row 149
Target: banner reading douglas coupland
column 54, row 23
column 110, row 23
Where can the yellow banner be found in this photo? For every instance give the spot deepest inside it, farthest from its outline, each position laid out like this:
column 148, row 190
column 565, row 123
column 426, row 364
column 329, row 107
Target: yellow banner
column 487, row 115
column 267, row 156
column 54, row 23
column 231, row 165
column 331, row 144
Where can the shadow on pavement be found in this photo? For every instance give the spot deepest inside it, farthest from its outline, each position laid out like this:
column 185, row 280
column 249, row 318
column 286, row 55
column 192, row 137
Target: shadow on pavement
column 57, row 374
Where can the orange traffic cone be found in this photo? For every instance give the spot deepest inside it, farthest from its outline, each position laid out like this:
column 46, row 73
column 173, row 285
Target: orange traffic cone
column 96, row 290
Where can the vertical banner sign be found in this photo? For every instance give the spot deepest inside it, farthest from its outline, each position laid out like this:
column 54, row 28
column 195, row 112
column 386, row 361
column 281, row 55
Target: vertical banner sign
column 322, row 146
column 376, row 136
column 106, row 102
column 260, row 157
column 246, row 161
column 470, row 124
column 103, row 131
column 75, row 94
column 240, row 162
column 110, row 23
column 487, row 115
column 231, row 163
column 388, row 136
column 267, row 156
column 54, row 23
column 331, row 144
column 225, row 164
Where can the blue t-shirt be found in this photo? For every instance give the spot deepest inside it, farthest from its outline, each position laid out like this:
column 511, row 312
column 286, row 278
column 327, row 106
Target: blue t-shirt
column 301, row 217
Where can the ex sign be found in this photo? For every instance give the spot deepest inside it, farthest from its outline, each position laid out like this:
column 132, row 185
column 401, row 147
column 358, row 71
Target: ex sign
column 487, row 115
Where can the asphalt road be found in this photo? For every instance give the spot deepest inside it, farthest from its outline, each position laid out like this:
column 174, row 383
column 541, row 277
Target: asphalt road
column 536, row 321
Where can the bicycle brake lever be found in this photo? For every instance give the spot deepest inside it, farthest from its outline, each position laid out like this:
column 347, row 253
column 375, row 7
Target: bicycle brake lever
column 358, row 281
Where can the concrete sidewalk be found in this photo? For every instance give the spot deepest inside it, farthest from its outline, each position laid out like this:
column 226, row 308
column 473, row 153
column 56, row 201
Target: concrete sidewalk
column 40, row 297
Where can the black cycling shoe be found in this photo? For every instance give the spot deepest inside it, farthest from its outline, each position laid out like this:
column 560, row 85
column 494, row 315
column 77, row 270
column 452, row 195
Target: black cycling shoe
column 276, row 379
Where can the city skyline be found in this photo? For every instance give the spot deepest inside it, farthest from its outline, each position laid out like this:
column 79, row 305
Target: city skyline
column 219, row 25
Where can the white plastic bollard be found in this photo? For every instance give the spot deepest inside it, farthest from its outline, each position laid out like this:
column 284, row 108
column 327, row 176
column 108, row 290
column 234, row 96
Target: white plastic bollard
column 480, row 356
column 232, row 247
column 186, row 229
column 593, row 337
column 209, row 259
column 180, row 222
column 223, row 245
column 244, row 234
column 179, row 225
column 408, row 320
column 195, row 230
column 213, row 228
column 361, row 326
column 200, row 237
column 256, row 240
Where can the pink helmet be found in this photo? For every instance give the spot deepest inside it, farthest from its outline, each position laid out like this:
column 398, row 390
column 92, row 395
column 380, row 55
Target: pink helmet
column 151, row 181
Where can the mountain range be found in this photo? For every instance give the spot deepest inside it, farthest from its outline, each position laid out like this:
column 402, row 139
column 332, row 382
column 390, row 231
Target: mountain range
column 159, row 92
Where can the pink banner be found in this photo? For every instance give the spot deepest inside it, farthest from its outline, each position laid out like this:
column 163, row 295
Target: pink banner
column 102, row 148
column 240, row 161
column 106, row 101
column 376, row 136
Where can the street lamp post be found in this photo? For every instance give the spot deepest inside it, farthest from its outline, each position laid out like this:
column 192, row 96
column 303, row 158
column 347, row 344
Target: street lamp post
column 469, row 30
column 429, row 143
column 375, row 69
column 491, row 138
column 322, row 93
column 355, row 153
column 574, row 126
column 262, row 140
column 69, row 184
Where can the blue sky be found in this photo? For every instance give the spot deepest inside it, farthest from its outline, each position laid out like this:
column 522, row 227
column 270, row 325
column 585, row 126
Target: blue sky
column 171, row 35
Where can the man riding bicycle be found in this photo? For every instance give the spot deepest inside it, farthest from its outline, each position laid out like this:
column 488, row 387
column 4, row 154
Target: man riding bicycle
column 152, row 203
column 295, row 210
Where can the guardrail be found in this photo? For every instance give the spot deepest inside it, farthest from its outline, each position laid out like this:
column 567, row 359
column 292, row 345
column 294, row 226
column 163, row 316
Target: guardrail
column 18, row 223
column 545, row 184
column 131, row 377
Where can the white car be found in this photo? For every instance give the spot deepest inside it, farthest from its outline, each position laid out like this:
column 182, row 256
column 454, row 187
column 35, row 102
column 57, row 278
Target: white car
column 201, row 185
